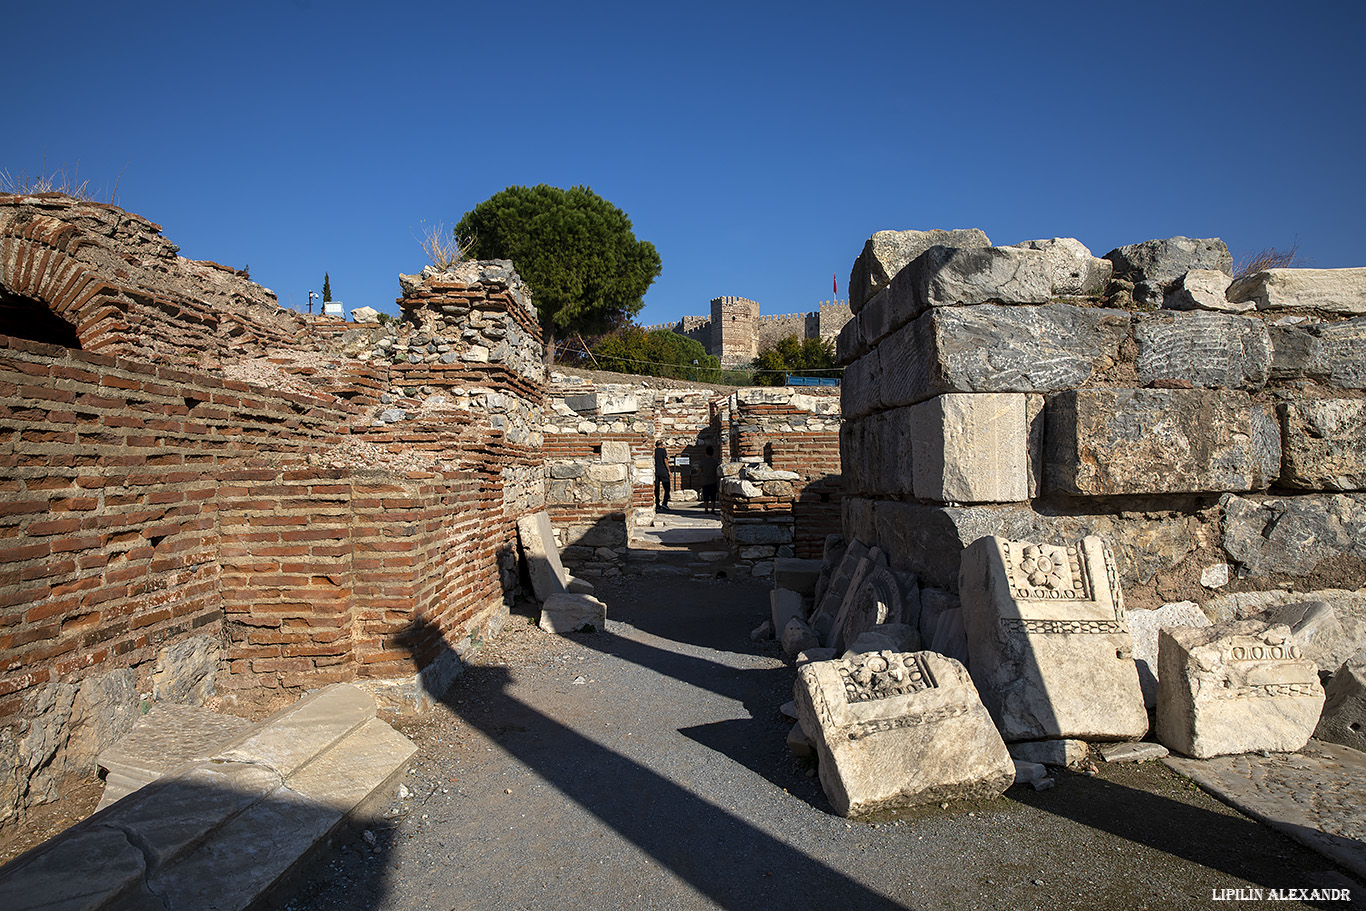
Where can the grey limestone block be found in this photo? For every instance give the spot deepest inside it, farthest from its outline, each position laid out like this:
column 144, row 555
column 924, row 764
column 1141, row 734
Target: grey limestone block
column 1144, row 626
column 1051, row 752
column 1264, row 535
column 798, row 637
column 1104, row 442
column 1202, row 289
column 897, row 730
column 950, row 276
column 1162, row 261
column 1211, row 350
column 1323, row 444
column 882, row 596
column 1325, row 640
column 797, row 574
column 1235, row 687
column 861, row 386
column 1344, row 709
column 785, row 605
column 970, row 448
column 568, row 613
column 1330, row 353
column 994, row 348
column 929, row 540
column 886, row 253
column 548, row 575
column 1075, row 272
column 1326, row 290
column 1049, row 642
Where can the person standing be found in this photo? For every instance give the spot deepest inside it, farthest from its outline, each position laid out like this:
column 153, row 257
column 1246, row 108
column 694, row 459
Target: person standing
column 661, row 475
column 707, row 468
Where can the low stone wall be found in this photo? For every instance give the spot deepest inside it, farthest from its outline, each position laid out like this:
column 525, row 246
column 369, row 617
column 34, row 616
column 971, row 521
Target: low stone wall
column 1037, row 393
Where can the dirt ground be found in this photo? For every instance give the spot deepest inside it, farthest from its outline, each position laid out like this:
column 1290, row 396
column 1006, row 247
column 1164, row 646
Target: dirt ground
column 645, row 766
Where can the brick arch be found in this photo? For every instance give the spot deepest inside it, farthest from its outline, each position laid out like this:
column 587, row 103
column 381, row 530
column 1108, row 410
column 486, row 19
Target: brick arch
column 38, row 269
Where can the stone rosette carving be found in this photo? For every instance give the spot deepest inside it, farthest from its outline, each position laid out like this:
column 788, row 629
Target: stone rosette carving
column 1048, row 640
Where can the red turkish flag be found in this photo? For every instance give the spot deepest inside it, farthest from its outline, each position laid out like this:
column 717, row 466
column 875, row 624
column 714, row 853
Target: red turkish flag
column 835, row 279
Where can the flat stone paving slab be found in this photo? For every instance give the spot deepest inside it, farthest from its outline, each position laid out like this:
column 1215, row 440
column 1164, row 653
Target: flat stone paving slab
column 162, row 741
column 1316, row 797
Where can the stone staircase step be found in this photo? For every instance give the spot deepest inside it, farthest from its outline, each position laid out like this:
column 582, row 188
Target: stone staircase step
column 163, row 740
column 221, row 832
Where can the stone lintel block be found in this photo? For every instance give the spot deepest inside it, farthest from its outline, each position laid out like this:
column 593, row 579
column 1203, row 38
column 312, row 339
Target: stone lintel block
column 896, row 730
column 1049, row 642
column 1106, row 442
column 1328, row 290
column 995, row 348
column 1235, row 687
column 971, row 448
column 1323, row 444
column 1209, row 350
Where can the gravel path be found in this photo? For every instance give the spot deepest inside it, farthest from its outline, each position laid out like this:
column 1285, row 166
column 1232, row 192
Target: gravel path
column 645, row 767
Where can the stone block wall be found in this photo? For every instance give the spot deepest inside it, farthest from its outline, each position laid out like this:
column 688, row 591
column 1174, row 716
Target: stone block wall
column 789, row 431
column 1023, row 392
column 210, row 502
column 599, row 460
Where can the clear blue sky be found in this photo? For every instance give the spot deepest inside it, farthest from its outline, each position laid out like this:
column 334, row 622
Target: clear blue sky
column 757, row 145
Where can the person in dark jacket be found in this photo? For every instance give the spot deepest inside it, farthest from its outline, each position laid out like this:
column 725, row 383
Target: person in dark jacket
column 707, row 468
column 661, row 475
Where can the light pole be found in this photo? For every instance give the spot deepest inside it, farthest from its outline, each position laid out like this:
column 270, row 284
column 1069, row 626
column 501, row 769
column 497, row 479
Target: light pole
column 311, row 295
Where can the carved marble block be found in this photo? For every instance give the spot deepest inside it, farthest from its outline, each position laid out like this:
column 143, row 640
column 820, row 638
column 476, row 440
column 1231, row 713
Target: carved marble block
column 1235, row 687
column 1048, row 641
column 899, row 729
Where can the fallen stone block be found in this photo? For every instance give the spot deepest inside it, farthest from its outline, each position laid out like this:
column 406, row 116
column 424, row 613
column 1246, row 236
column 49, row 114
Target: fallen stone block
column 992, row 348
column 1328, row 290
column 1318, row 632
column 1202, row 289
column 1163, row 261
column 1323, row 444
column 1208, row 350
column 1344, row 708
column 1068, row 753
column 1292, row 535
column 798, row 637
column 1027, row 772
column 1141, row 751
column 1144, row 626
column 800, row 744
column 1107, row 442
column 970, row 448
column 899, row 730
column 832, row 552
column 571, row 613
column 886, row 253
column 1235, row 687
column 762, row 632
column 1075, row 272
column 1049, row 641
column 796, row 574
column 785, row 605
column 814, row 654
column 542, row 556
column 950, row 638
column 871, row 560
